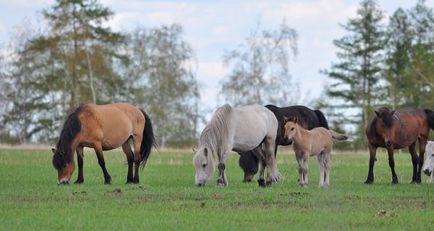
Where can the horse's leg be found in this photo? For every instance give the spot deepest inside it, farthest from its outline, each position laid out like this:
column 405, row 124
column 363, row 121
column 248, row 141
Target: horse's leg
column 321, row 160
column 137, row 157
column 422, row 146
column 126, row 147
column 415, row 161
column 372, row 159
column 222, row 181
column 80, row 178
column 270, row 160
column 101, row 162
column 261, row 177
column 392, row 165
column 327, row 165
column 302, row 167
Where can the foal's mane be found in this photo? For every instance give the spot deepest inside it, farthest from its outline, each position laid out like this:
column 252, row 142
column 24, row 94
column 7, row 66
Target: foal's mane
column 71, row 128
column 216, row 133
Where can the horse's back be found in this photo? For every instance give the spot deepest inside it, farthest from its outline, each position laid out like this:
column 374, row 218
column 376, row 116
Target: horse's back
column 413, row 123
column 252, row 124
column 112, row 124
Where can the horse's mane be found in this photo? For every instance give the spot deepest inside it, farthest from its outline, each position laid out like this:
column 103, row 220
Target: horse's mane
column 386, row 116
column 216, row 134
column 70, row 129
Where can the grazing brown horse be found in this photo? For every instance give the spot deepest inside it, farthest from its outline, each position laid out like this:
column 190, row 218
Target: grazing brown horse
column 396, row 130
column 103, row 127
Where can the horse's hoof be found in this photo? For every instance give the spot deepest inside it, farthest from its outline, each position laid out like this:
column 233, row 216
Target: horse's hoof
column 415, row 182
column 79, row 182
column 269, row 182
column 221, row 183
column 395, row 182
column 369, row 181
column 262, row 183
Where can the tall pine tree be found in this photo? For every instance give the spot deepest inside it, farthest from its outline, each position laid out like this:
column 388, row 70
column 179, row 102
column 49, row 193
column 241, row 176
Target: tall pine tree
column 357, row 74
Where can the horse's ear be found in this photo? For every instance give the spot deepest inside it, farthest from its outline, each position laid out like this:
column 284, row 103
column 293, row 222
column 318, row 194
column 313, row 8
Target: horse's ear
column 285, row 119
column 294, row 119
column 53, row 150
column 194, row 149
column 377, row 113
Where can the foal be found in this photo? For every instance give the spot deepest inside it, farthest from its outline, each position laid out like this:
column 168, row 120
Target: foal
column 317, row 141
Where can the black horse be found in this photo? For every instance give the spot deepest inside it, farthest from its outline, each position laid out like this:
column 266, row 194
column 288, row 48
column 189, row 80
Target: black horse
column 307, row 118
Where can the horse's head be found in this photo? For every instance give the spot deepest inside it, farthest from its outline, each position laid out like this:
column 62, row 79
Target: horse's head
column 290, row 126
column 64, row 166
column 204, row 165
column 428, row 165
column 385, row 124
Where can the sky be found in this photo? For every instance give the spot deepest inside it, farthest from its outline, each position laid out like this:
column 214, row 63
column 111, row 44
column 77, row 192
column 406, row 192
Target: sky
column 213, row 27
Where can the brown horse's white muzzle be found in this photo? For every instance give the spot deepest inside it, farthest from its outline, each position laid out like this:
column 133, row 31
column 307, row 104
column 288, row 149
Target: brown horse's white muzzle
column 63, row 181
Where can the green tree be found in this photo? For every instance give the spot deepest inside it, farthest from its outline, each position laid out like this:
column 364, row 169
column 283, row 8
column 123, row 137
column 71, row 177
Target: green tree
column 398, row 58
column 160, row 77
column 259, row 69
column 357, row 75
column 70, row 63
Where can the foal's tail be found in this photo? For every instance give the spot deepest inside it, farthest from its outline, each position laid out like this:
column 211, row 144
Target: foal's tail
column 148, row 140
column 338, row 136
column 322, row 120
column 430, row 117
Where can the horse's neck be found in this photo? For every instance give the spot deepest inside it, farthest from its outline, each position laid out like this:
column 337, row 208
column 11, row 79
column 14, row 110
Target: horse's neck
column 301, row 134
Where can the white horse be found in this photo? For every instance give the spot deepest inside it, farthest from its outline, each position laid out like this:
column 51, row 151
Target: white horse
column 428, row 166
column 239, row 129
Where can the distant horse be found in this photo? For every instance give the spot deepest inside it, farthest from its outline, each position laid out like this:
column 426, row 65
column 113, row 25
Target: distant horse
column 307, row 118
column 317, row 141
column 428, row 166
column 396, row 130
column 103, row 127
column 239, row 129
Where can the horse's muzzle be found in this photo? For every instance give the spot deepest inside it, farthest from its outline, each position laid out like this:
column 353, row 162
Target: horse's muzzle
column 200, row 184
column 389, row 143
column 427, row 172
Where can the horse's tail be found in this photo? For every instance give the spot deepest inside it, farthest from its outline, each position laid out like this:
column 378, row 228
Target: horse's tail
column 338, row 136
column 148, row 140
column 430, row 117
column 322, row 120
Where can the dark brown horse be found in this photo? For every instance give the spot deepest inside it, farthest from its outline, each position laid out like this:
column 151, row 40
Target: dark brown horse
column 307, row 118
column 103, row 127
column 396, row 130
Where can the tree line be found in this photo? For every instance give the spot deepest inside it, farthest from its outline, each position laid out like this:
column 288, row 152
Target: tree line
column 382, row 62
column 75, row 58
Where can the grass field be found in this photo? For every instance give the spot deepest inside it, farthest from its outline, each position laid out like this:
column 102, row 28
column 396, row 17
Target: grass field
column 167, row 199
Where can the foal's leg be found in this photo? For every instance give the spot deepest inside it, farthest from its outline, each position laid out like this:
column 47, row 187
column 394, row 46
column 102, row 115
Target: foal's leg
column 392, row 165
column 321, row 163
column 222, row 181
column 415, row 162
column 372, row 159
column 302, row 167
column 101, row 162
column 80, row 178
column 126, row 147
column 327, row 166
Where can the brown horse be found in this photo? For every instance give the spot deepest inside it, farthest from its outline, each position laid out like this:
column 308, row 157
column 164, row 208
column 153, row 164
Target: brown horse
column 396, row 130
column 103, row 127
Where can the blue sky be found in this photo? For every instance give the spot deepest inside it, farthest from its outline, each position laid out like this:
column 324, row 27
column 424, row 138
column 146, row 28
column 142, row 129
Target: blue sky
column 211, row 27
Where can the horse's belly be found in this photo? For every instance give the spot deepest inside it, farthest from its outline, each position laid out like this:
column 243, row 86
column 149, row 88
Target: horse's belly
column 244, row 147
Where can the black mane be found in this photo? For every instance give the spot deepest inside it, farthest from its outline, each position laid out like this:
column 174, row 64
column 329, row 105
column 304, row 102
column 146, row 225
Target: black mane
column 386, row 116
column 71, row 128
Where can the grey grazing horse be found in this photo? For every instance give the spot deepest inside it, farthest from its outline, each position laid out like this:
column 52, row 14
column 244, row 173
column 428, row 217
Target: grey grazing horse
column 239, row 129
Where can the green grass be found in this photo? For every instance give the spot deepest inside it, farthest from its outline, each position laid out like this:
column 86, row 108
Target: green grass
column 167, row 199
